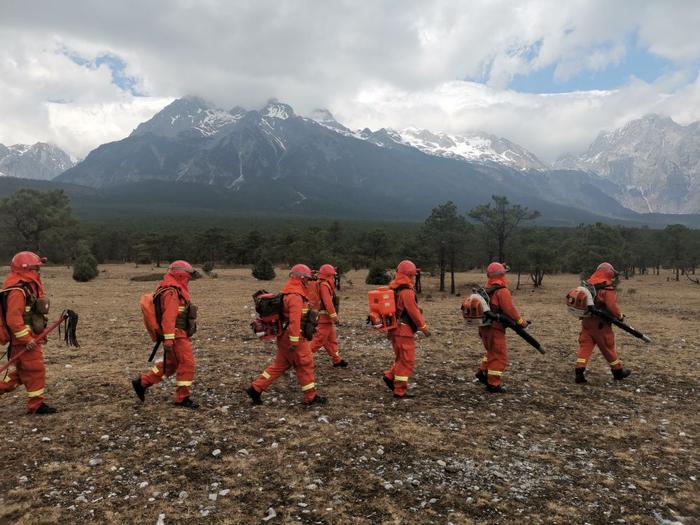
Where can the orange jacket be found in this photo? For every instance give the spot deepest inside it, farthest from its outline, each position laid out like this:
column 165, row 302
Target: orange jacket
column 327, row 314
column 502, row 302
column 20, row 332
column 406, row 302
column 295, row 302
column 607, row 299
column 171, row 305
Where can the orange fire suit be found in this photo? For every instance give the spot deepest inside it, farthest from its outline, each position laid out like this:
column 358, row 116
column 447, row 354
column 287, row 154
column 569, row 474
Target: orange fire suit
column 293, row 351
column 493, row 337
column 29, row 369
column 325, row 334
column 596, row 331
column 179, row 359
column 403, row 339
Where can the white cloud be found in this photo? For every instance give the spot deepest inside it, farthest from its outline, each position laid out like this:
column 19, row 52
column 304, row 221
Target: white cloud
column 373, row 63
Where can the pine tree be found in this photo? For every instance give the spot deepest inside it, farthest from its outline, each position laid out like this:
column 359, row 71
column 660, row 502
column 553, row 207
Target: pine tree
column 85, row 266
column 377, row 275
column 263, row 270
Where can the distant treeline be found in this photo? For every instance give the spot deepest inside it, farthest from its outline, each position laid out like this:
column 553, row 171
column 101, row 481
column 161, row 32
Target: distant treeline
column 446, row 242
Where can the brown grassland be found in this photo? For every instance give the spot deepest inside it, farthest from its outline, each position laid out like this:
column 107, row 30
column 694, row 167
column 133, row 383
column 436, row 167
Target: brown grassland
column 548, row 451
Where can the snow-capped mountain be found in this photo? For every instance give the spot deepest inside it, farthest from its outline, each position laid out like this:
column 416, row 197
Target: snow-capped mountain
column 475, row 147
column 654, row 161
column 37, row 161
column 271, row 159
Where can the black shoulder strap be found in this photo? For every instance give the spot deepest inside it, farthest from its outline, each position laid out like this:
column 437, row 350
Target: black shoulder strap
column 493, row 289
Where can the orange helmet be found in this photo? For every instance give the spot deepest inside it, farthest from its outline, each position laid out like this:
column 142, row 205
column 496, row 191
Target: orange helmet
column 495, row 269
column 301, row 272
column 26, row 261
column 406, row 268
column 327, row 270
column 607, row 270
column 182, row 268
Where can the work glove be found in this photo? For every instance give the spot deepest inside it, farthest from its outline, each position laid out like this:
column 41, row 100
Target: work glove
column 426, row 332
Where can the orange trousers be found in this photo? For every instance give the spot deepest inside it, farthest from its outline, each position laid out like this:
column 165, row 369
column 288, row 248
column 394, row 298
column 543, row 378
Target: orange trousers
column 404, row 362
column 179, row 360
column 326, row 337
column 495, row 360
column 595, row 332
column 29, row 370
column 300, row 359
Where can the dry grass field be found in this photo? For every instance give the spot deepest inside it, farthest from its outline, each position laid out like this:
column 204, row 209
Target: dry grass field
column 548, row 451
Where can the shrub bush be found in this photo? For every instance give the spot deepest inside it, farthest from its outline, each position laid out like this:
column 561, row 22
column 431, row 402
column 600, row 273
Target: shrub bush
column 263, row 270
column 85, row 266
column 377, row 275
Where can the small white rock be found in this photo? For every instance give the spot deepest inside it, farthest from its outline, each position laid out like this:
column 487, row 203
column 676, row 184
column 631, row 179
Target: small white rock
column 216, row 452
column 213, row 496
column 224, row 492
column 143, row 484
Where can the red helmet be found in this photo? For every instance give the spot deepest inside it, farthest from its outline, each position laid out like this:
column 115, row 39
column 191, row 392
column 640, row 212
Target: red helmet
column 327, row 270
column 26, row 261
column 495, row 269
column 406, row 268
column 181, row 269
column 301, row 271
column 607, row 270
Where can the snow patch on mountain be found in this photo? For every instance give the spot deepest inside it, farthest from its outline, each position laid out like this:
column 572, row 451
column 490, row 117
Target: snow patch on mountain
column 36, row 161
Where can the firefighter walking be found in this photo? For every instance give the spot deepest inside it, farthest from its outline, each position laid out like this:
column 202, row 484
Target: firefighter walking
column 494, row 363
column 596, row 331
column 177, row 326
column 326, row 336
column 403, row 338
column 293, row 348
column 24, row 310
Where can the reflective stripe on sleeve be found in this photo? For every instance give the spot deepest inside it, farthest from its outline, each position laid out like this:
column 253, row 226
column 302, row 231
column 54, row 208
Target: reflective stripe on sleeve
column 265, row 374
column 35, row 393
column 401, row 378
column 581, row 360
column 494, row 373
column 181, row 309
column 23, row 333
column 168, row 336
column 294, row 338
column 308, row 387
column 183, row 383
column 155, row 370
column 334, row 315
column 616, row 362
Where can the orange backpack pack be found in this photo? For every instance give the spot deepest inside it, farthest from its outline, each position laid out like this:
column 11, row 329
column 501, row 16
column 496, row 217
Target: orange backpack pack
column 382, row 309
column 152, row 316
column 579, row 301
column 475, row 307
column 313, row 289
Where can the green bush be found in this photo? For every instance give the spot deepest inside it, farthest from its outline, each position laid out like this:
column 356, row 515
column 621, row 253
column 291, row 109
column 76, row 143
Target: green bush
column 377, row 275
column 85, row 266
column 207, row 267
column 263, row 270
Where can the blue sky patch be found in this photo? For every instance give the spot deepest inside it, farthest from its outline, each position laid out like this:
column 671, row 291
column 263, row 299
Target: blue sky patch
column 115, row 64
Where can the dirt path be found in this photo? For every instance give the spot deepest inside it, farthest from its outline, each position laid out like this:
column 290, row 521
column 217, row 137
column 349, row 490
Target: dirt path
column 549, row 451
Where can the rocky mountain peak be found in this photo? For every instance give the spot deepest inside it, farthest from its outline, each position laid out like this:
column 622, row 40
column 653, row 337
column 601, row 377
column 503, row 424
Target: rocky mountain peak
column 36, row 161
column 276, row 109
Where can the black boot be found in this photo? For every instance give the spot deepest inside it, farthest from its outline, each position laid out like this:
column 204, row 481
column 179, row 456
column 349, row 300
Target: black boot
column 495, row 389
column 254, row 395
column 620, row 373
column 44, row 409
column 481, row 376
column 139, row 389
column 318, row 400
column 389, row 383
column 405, row 396
column 341, row 364
column 581, row 375
column 188, row 403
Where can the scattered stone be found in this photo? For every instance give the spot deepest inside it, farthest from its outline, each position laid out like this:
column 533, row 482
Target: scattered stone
column 243, row 452
column 46, row 439
column 441, row 463
column 213, row 496
column 270, row 514
column 224, row 492
column 95, row 461
column 324, row 420
column 161, row 519
column 216, row 452
column 143, row 484
column 388, row 486
column 183, row 495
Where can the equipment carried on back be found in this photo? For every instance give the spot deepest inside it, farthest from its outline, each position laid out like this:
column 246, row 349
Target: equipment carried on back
column 475, row 307
column 384, row 314
column 271, row 322
column 476, row 311
column 35, row 313
column 580, row 303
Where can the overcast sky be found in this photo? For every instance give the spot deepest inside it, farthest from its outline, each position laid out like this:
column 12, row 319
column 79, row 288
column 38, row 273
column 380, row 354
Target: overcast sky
column 549, row 75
